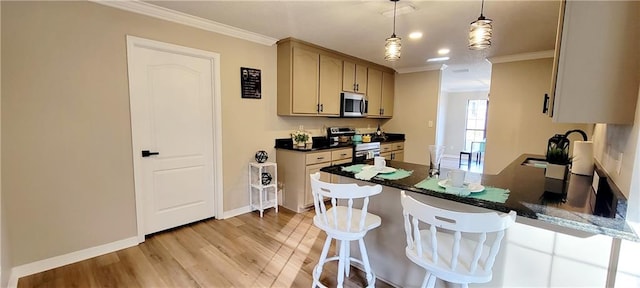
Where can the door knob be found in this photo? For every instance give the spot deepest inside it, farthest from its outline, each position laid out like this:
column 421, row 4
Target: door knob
column 147, row 153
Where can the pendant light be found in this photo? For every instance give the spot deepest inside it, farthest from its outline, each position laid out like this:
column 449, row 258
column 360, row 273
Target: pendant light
column 480, row 32
column 392, row 45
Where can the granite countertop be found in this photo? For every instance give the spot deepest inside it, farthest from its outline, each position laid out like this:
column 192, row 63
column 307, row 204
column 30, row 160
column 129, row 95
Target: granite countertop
column 322, row 143
column 577, row 208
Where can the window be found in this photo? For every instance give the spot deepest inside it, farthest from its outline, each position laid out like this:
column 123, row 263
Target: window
column 476, row 122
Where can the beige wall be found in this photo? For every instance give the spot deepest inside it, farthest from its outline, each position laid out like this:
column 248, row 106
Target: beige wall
column 4, row 247
column 455, row 119
column 516, row 124
column 416, row 104
column 66, row 127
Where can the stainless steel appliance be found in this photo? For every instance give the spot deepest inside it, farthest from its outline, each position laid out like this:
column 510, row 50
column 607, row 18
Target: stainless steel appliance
column 334, row 133
column 364, row 151
column 353, row 105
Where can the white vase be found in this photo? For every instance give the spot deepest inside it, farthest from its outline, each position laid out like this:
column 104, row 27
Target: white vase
column 556, row 171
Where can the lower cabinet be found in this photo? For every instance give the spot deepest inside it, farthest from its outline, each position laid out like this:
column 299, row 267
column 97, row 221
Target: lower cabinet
column 308, row 196
column 392, row 151
column 294, row 168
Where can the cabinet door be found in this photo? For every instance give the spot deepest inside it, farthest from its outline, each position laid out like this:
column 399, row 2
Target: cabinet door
column 397, row 156
column 361, row 79
column 388, row 86
column 605, row 52
column 348, row 76
column 305, row 81
column 386, row 155
column 325, row 177
column 374, row 92
column 330, row 85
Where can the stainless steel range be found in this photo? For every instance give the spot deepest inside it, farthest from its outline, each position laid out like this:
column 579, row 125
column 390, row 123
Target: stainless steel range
column 334, row 133
column 364, row 151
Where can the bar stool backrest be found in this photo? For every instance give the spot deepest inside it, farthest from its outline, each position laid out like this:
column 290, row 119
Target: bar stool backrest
column 466, row 259
column 345, row 217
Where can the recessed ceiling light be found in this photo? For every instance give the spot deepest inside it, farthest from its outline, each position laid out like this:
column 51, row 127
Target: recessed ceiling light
column 437, row 59
column 415, row 35
column 443, row 51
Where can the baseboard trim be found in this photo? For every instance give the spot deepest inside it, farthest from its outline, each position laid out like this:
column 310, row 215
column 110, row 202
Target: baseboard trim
column 58, row 261
column 236, row 212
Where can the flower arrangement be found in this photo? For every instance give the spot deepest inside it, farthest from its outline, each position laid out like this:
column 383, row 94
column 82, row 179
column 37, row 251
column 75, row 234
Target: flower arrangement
column 300, row 137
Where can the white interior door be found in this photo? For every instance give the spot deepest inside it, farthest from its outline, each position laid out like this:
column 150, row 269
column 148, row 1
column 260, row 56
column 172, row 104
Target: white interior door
column 171, row 91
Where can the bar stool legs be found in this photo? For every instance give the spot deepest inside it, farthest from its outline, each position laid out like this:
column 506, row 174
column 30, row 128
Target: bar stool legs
column 344, row 262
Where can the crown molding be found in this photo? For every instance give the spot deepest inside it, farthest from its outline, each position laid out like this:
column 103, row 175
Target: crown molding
column 147, row 9
column 522, row 57
column 421, row 68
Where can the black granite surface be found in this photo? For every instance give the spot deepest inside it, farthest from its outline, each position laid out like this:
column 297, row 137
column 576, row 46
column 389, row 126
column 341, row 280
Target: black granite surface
column 572, row 207
column 323, row 143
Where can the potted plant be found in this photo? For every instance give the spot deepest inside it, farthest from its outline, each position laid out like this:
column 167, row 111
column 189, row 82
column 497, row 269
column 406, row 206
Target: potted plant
column 558, row 161
column 300, row 138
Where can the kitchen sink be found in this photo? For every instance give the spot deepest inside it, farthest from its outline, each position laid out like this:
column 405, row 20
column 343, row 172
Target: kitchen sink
column 535, row 162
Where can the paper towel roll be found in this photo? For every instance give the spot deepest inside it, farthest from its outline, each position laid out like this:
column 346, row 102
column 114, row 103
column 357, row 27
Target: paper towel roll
column 582, row 162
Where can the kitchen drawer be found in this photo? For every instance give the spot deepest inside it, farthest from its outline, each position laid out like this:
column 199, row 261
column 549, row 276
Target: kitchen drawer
column 318, row 157
column 388, row 147
column 342, row 154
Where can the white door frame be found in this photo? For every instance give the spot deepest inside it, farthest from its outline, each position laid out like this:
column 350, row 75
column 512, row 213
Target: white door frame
column 133, row 42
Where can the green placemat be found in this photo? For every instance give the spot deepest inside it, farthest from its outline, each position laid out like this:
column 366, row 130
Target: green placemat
column 357, row 168
column 489, row 193
column 398, row 174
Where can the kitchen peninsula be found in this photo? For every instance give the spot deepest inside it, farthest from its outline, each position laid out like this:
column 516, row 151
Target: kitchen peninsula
column 577, row 211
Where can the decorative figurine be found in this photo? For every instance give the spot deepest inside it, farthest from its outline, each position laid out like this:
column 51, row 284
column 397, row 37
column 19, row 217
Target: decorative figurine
column 266, row 178
column 262, row 156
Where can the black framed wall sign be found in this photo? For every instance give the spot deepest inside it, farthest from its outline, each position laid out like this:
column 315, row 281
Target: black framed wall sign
column 250, row 82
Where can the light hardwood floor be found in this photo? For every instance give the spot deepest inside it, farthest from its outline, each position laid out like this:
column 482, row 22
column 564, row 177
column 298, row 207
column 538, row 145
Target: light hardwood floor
column 279, row 250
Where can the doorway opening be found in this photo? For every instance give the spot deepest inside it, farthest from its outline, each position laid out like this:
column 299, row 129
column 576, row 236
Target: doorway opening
column 462, row 115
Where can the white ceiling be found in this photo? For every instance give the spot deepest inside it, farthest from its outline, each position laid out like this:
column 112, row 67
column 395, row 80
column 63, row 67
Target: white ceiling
column 358, row 28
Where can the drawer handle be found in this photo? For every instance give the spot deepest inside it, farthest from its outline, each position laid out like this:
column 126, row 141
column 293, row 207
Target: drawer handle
column 320, row 158
column 343, row 154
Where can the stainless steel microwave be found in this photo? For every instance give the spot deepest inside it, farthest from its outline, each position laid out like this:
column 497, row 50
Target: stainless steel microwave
column 353, row 105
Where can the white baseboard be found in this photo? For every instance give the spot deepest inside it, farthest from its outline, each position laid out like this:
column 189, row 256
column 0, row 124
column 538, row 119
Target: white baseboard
column 58, row 261
column 236, row 212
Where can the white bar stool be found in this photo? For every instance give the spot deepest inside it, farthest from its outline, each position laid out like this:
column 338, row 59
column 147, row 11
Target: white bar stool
column 343, row 223
column 443, row 251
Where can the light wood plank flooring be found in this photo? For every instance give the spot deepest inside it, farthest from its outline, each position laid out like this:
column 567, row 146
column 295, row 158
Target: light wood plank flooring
column 279, row 250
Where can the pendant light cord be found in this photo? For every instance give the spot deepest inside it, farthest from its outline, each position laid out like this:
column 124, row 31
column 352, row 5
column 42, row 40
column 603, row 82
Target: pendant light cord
column 482, row 8
column 394, row 17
